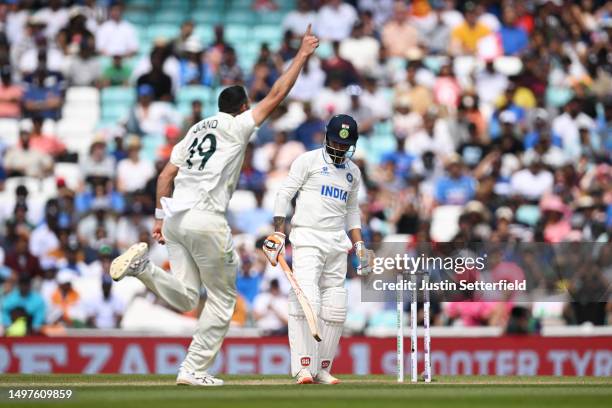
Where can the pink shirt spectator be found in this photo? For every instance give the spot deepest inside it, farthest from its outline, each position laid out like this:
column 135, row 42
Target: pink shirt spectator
column 10, row 101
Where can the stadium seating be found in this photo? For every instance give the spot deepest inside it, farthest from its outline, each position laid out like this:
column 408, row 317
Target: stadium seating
column 9, row 131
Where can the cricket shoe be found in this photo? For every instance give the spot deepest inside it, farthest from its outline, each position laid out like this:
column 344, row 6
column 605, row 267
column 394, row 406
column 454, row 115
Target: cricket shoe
column 191, row 378
column 323, row 377
column 131, row 263
column 304, row 377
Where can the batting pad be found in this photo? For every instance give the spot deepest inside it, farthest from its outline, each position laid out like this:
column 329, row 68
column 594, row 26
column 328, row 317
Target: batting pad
column 304, row 348
column 333, row 315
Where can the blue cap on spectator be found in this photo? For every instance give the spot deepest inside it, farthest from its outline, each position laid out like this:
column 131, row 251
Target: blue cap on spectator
column 145, row 90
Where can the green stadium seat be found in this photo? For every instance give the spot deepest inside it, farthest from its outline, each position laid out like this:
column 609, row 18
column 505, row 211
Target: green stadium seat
column 271, row 17
column 207, row 16
column 240, row 17
column 137, row 17
column 237, row 33
column 187, row 94
column 241, row 4
column 205, row 33
column 119, row 95
column 271, row 34
column 166, row 31
column 324, row 50
column 138, row 3
column 176, row 17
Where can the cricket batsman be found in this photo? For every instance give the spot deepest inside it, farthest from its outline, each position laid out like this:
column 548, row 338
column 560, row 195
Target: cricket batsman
column 328, row 183
column 193, row 192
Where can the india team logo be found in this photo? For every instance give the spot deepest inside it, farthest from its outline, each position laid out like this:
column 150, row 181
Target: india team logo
column 349, row 177
column 344, row 132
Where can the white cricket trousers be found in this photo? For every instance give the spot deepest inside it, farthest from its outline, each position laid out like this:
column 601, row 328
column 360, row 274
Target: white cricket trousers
column 201, row 253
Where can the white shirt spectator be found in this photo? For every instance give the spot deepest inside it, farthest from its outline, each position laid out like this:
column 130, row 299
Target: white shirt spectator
column 568, row 129
column 452, row 18
column 381, row 9
column 309, row 83
column 116, row 38
column 55, row 20
column 531, row 186
column 15, row 25
column 490, row 21
column 361, row 52
column 329, row 102
column 43, row 241
column 269, row 307
column 104, row 311
column 297, row 21
column 489, row 85
column 378, row 102
column 56, row 61
column 159, row 115
column 133, row 175
column 335, row 23
column 440, row 142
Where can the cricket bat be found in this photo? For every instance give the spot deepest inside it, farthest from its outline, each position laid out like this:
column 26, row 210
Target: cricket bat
column 311, row 317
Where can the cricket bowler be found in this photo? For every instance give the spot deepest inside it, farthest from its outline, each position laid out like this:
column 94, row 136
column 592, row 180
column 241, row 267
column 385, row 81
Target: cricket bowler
column 327, row 183
column 190, row 219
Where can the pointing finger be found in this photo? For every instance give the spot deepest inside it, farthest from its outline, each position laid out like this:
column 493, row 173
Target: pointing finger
column 309, row 29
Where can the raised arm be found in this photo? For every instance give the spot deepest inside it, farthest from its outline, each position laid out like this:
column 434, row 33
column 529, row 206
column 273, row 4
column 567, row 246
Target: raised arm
column 283, row 85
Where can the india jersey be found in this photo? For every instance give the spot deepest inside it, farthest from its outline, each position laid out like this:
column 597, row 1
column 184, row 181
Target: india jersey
column 327, row 194
column 209, row 159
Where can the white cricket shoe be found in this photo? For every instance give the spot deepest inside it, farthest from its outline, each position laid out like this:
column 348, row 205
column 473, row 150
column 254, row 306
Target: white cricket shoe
column 323, row 377
column 131, row 263
column 304, row 377
column 203, row 380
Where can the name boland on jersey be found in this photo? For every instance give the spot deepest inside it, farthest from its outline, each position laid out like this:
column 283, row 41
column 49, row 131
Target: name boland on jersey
column 209, row 159
column 327, row 194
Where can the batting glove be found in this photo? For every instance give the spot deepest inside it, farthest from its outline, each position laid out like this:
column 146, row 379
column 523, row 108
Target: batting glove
column 273, row 246
column 365, row 258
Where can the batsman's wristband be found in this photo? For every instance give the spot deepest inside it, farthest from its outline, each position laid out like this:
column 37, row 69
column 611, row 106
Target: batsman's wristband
column 160, row 214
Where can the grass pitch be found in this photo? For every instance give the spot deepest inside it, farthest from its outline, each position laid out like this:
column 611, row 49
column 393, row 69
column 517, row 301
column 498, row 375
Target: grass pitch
column 153, row 391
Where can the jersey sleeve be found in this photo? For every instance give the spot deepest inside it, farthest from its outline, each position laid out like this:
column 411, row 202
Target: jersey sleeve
column 296, row 178
column 245, row 125
column 353, row 214
column 179, row 153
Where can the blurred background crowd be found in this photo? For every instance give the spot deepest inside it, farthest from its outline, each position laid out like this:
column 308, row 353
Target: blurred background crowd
column 486, row 121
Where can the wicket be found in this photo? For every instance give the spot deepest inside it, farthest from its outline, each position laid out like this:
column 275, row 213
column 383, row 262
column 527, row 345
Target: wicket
column 413, row 330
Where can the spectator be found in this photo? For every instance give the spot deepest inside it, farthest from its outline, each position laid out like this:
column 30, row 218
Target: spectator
column 11, row 95
column 83, row 69
column 150, row 117
column 532, row 182
column 250, row 178
column 360, row 50
column 230, row 72
column 567, row 124
column 133, row 172
column 21, row 261
column 156, row 78
column 65, row 308
column 332, row 99
column 192, row 69
column 173, row 136
column 513, row 37
column 296, row 21
column 105, row 311
column 410, row 91
column 55, row 16
column 78, row 31
column 117, row 73
column 254, row 220
column 309, row 83
column 23, row 160
column 436, row 37
column 465, row 36
column 185, row 35
column 41, row 99
column 249, row 280
column 23, row 302
column 45, row 143
column 100, row 216
column 311, row 131
column 399, row 37
column 97, row 164
column 457, row 188
column 362, row 113
column 433, row 136
column 335, row 21
column 117, row 36
column 194, row 117
column 270, row 310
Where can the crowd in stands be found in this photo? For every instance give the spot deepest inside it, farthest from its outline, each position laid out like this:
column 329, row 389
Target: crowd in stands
column 486, row 121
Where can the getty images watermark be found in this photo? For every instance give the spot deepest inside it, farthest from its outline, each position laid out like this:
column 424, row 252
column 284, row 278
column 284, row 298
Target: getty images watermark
column 411, row 266
column 492, row 271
